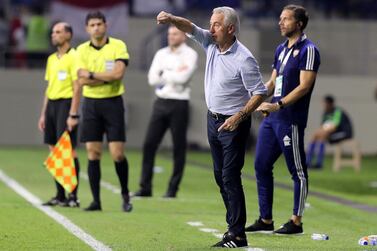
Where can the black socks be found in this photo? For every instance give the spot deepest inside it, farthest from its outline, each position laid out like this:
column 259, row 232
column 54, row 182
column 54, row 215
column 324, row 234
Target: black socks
column 122, row 171
column 94, row 173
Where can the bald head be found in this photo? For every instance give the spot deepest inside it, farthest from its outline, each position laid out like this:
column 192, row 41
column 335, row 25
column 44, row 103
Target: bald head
column 61, row 34
column 175, row 37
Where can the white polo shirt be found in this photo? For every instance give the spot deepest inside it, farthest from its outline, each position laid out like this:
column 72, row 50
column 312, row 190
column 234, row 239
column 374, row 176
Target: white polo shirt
column 171, row 72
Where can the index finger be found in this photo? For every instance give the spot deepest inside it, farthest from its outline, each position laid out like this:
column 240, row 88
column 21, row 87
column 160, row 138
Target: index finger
column 221, row 127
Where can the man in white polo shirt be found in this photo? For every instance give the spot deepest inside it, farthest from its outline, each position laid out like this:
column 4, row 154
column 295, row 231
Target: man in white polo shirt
column 170, row 74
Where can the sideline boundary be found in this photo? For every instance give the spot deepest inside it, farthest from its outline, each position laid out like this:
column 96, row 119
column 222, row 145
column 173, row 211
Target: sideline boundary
column 59, row 218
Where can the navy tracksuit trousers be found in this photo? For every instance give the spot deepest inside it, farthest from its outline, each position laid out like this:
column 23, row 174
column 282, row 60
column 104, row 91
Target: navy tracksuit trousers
column 275, row 138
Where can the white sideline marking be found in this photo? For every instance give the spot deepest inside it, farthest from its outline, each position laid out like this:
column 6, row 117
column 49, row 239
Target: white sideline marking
column 217, row 234
column 114, row 189
column 158, row 169
column 209, row 230
column 195, row 223
column 105, row 184
column 59, row 218
column 373, row 184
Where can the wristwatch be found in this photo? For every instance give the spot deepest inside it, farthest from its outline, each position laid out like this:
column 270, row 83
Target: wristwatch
column 91, row 75
column 281, row 105
column 74, row 116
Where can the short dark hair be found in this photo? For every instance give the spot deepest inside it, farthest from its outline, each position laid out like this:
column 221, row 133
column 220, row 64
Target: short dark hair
column 329, row 99
column 300, row 13
column 95, row 15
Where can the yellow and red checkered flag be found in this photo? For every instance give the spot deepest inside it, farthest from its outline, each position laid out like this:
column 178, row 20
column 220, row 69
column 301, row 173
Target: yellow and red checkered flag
column 61, row 165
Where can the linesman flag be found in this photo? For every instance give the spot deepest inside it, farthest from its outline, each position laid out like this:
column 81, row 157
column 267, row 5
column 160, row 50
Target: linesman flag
column 61, row 165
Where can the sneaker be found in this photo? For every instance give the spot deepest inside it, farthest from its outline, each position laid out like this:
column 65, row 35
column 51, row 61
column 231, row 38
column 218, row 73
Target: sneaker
column 54, row 202
column 290, row 228
column 94, row 206
column 260, row 227
column 231, row 241
column 142, row 193
column 72, row 201
column 126, row 206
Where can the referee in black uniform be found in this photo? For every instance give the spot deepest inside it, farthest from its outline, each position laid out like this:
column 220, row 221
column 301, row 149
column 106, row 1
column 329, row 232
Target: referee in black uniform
column 62, row 79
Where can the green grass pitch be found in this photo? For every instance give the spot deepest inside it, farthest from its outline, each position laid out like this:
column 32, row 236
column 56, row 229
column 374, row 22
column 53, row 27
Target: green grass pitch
column 161, row 224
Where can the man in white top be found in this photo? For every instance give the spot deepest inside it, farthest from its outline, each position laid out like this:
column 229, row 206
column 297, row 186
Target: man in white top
column 170, row 73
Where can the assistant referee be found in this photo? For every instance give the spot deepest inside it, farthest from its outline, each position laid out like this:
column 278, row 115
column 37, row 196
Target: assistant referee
column 61, row 76
column 102, row 64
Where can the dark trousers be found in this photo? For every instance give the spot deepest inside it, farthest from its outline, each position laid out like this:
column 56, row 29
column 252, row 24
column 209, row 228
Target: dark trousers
column 228, row 154
column 275, row 138
column 167, row 113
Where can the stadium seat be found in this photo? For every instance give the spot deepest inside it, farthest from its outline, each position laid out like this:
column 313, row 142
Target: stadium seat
column 347, row 153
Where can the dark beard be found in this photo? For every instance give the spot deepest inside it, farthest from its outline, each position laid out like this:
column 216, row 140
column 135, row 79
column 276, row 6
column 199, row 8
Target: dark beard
column 290, row 34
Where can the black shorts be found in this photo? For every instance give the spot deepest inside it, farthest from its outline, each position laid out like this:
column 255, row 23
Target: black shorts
column 56, row 115
column 337, row 137
column 103, row 116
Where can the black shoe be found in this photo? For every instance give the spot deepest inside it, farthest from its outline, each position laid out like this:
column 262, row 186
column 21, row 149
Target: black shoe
column 72, row 201
column 260, row 227
column 126, row 206
column 142, row 193
column 169, row 194
column 54, row 202
column 231, row 241
column 94, row 206
column 290, row 228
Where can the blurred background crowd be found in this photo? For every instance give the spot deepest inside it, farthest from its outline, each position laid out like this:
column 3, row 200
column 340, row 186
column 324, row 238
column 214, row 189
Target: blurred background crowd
column 25, row 24
column 344, row 31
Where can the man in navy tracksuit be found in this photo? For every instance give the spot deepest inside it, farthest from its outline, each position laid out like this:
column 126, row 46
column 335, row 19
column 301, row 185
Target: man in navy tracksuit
column 292, row 80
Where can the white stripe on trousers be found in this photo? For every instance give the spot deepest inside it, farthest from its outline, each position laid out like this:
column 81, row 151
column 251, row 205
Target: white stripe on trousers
column 300, row 171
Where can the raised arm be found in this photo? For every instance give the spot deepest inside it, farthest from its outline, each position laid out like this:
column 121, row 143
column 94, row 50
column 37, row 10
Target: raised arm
column 181, row 23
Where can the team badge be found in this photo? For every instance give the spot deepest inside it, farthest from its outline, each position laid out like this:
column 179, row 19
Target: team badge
column 295, row 53
column 287, row 140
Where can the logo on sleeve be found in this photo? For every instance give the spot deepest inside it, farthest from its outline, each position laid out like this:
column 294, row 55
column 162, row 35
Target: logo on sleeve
column 287, row 140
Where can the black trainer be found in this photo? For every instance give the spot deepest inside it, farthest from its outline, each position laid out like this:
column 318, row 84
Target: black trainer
column 94, row 206
column 54, row 202
column 290, row 228
column 231, row 241
column 72, row 201
column 126, row 206
column 142, row 193
column 260, row 227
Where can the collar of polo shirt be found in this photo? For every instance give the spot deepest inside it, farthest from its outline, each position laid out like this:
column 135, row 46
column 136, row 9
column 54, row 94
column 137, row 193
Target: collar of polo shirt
column 179, row 48
column 300, row 40
column 99, row 47
column 232, row 48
